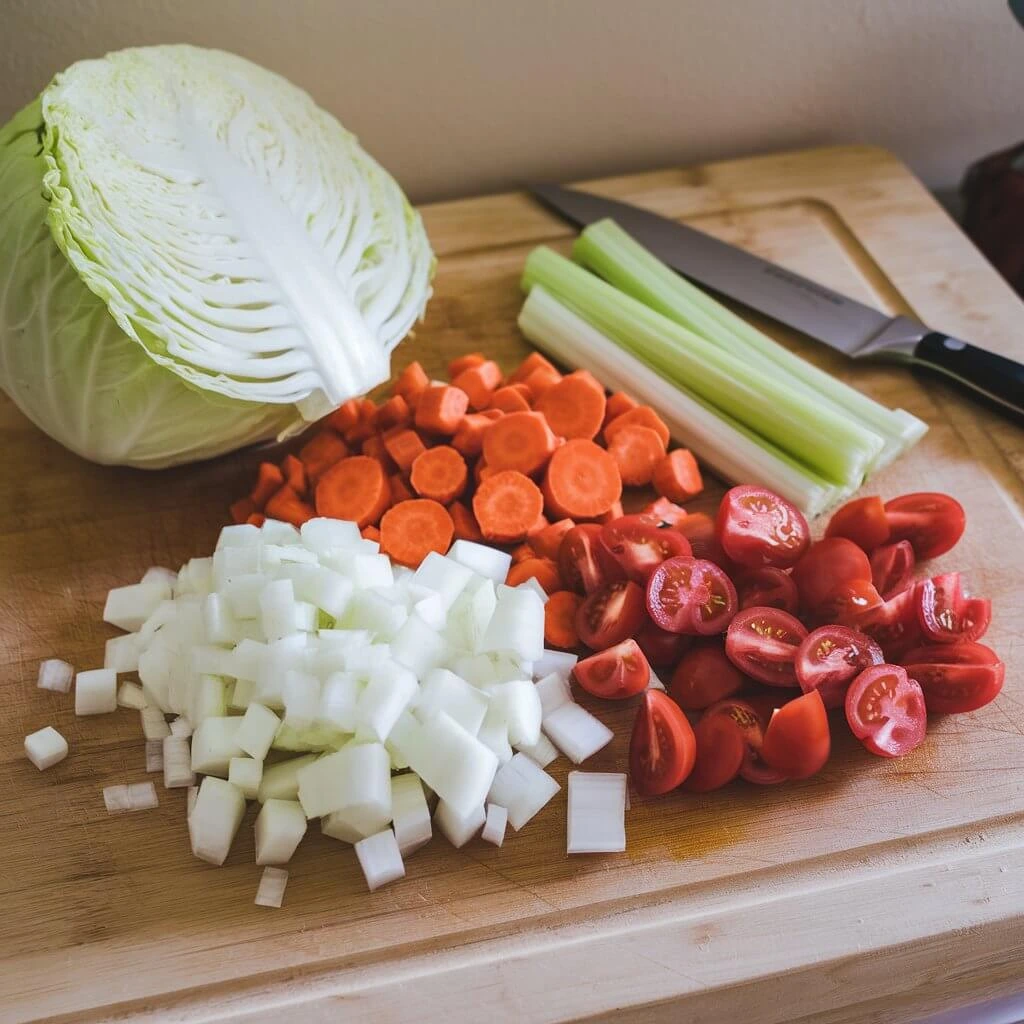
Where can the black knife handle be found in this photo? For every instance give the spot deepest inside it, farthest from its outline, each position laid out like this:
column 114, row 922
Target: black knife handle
column 994, row 376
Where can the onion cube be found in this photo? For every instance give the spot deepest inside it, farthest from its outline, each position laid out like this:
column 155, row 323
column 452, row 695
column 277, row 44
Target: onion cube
column 280, row 659
column 520, row 706
column 477, row 669
column 206, row 660
column 417, row 646
column 301, row 696
column 45, row 747
column 158, row 574
column 410, row 813
column 329, row 591
column 576, row 732
column 597, row 808
column 380, row 859
column 389, row 692
column 219, row 623
column 55, row 675
column 154, row 755
column 129, row 607
column 214, row 743
column 554, row 691
column 190, row 800
column 177, row 762
column 242, row 593
column 493, row 734
column 322, row 535
column 494, row 826
column 355, row 779
column 257, row 730
column 122, row 653
column 240, row 694
column 523, row 789
column 307, row 617
column 279, row 828
column 550, row 661
column 116, row 799
column 543, row 751
column 458, row 828
column 270, row 892
column 277, row 609
column 239, row 535
column 246, row 773
column 273, row 531
column 481, row 559
column 96, row 692
column 442, row 575
column 517, row 624
column 339, row 699
column 207, row 700
column 215, row 819
column 444, row 691
column 142, row 796
column 154, row 725
column 351, row 826
column 361, row 661
column 181, row 727
column 130, row 695
column 532, row 585
column 368, row 610
column 281, row 780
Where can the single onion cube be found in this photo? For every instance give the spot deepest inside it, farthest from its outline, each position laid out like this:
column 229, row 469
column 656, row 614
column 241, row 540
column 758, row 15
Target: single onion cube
column 121, row 653
column 554, row 661
column 410, row 813
column 177, row 762
column 339, row 698
column 214, row 743
column 323, row 535
column 576, row 732
column 445, row 691
column 281, row 780
column 279, row 828
column 355, row 779
column 380, row 859
column 215, row 819
column 523, row 789
column 55, row 675
column 443, row 575
column 246, row 773
column 543, row 751
column 142, row 796
column 597, row 808
column 181, row 727
column 96, row 692
column 418, row 647
column 517, row 625
column 129, row 607
column 257, row 731
column 494, row 826
column 521, row 707
column 554, row 691
column 154, row 755
column 158, row 574
column 458, row 828
column 45, row 747
column 130, row 695
column 389, row 692
column 481, row 559
column 493, row 734
column 270, row 892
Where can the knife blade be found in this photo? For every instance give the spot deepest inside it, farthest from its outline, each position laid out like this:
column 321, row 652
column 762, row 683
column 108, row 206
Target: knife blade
column 850, row 327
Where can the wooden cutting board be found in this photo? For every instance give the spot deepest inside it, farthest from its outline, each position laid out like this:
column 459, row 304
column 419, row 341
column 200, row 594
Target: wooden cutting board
column 876, row 891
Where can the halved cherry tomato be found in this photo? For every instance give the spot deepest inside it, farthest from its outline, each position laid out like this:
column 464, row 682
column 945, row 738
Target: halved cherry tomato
column 826, row 565
column 762, row 643
column 893, row 625
column 720, row 752
column 616, row 673
column 767, row 587
column 699, row 530
column 946, row 615
column 704, row 676
column 751, row 725
column 577, row 559
column 690, row 595
column 863, row 521
column 830, row 658
column 849, row 602
column 886, row 711
column 956, row 677
column 797, row 741
column 661, row 647
column 933, row 523
column 610, row 614
column 892, row 568
column 756, row 527
column 662, row 747
column 632, row 547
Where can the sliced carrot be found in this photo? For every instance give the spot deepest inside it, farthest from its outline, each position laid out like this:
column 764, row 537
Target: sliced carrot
column 294, row 475
column 484, row 472
column 542, row 380
column 521, row 440
column 677, row 477
column 411, row 530
column 636, row 450
column 345, row 417
column 269, row 481
column 469, row 438
column 542, row 522
column 242, row 509
column 466, row 362
column 479, row 382
column 395, row 412
column 511, row 398
column 574, row 407
column 399, row 489
column 666, row 513
column 548, row 539
column 560, row 619
column 370, row 533
column 543, row 570
column 256, row 519
column 355, row 489
column 367, row 410
column 582, row 481
column 321, row 452
column 614, row 512
column 617, row 404
column 641, row 416
column 358, row 434
column 466, row 527
column 522, row 553
column 404, row 446
column 287, row 506
column 439, row 473
column 506, row 505
column 441, row 408
column 532, row 362
column 410, row 382
column 375, row 447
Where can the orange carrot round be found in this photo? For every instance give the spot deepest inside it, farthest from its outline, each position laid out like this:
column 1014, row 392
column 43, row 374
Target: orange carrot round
column 394, row 412
column 287, row 506
column 574, row 407
column 411, row 381
column 294, row 474
column 242, row 509
column 521, row 440
column 374, row 447
column 321, row 452
column 617, row 404
column 256, row 519
column 511, row 398
column 354, row 489
column 636, row 451
column 560, row 619
column 465, row 523
column 615, row 511
column 543, row 570
column 677, row 476
column 548, row 538
column 411, row 530
column 440, row 409
column 439, row 473
column 582, row 481
column 641, row 416
column 479, row 382
column 532, row 362
column 506, row 505
column 269, row 481
column 404, row 446
column 542, row 380
column 345, row 417
column 466, row 362
column 468, row 440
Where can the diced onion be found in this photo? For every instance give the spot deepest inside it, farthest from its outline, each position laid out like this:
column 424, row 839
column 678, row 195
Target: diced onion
column 596, row 817
column 177, row 762
column 380, row 859
column 494, row 825
column 410, row 813
column 45, row 747
column 576, row 732
column 55, row 675
column 155, row 755
column 560, row 662
column 279, row 829
column 271, row 888
column 96, row 692
column 130, row 695
column 458, row 828
column 554, row 691
column 523, row 789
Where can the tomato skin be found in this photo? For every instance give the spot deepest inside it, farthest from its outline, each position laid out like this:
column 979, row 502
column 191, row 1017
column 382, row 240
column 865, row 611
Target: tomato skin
column 751, row 725
column 797, row 741
column 933, row 523
column 956, row 678
column 703, row 677
column 662, row 747
column 946, row 616
column 830, row 658
column 893, row 625
column 827, row 565
column 720, row 751
column 610, row 614
column 699, row 530
column 849, row 603
column 578, row 560
column 757, row 527
column 630, row 546
column 863, row 521
column 767, row 587
column 661, row 647
column 762, row 643
column 614, row 674
column 892, row 568
column 886, row 711
column 690, row 595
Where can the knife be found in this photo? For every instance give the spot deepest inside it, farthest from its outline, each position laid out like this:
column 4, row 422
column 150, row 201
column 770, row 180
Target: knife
column 842, row 323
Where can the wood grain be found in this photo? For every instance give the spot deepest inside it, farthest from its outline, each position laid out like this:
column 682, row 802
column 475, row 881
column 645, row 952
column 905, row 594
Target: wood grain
column 874, row 892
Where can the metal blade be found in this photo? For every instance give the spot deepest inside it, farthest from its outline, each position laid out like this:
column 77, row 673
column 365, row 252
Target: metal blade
column 825, row 315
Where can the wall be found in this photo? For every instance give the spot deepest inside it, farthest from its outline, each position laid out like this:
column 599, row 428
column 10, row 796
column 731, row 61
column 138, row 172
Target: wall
column 457, row 97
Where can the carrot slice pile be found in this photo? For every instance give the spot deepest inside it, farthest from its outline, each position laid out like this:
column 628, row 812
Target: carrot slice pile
column 636, row 450
column 641, row 416
column 543, row 570
column 506, row 505
column 511, row 398
column 560, row 619
column 574, row 407
column 439, row 473
column 582, row 481
column 411, row 530
column 355, row 489
column 677, row 476
column 521, row 440
column 404, row 447
column 440, row 409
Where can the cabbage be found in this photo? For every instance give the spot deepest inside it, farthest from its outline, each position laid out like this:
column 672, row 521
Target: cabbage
column 194, row 257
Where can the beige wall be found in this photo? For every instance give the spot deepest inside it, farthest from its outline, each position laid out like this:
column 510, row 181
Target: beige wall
column 458, row 97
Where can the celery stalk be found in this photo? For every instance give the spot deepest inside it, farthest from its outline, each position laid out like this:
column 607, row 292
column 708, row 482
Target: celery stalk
column 834, row 446
column 611, row 252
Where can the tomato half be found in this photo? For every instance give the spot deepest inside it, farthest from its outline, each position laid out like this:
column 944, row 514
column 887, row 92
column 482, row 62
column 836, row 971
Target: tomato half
column 830, row 658
column 616, row 673
column 661, row 647
column 699, row 530
column 946, row 615
column 720, row 752
column 578, row 561
column 632, row 547
column 892, row 568
column 827, row 565
column 610, row 614
column 767, row 587
column 886, row 711
column 849, row 602
column 894, row 624
column 863, row 521
column 703, row 676
column 756, row 527
column 751, row 725
column 797, row 741
column 762, row 643
column 662, row 747
column 956, row 677
column 933, row 523
column 690, row 595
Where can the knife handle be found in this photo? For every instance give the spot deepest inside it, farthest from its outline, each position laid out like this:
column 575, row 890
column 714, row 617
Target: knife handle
column 997, row 378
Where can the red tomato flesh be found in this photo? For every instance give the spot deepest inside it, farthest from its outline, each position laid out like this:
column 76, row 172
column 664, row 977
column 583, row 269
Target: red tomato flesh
column 863, row 521
column 797, row 741
column 886, row 711
column 616, row 673
column 946, row 615
column 892, row 568
column 767, row 587
column 849, row 602
column 662, row 747
column 720, row 752
column 830, row 658
column 956, row 678
column 704, row 676
column 826, row 566
column 578, row 561
column 630, row 546
column 751, row 726
column 933, row 523
column 756, row 527
column 762, row 643
column 690, row 595
column 610, row 614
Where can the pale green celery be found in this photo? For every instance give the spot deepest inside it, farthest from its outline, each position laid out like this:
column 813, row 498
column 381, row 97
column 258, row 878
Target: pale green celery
column 725, row 445
column 836, row 447
column 614, row 254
